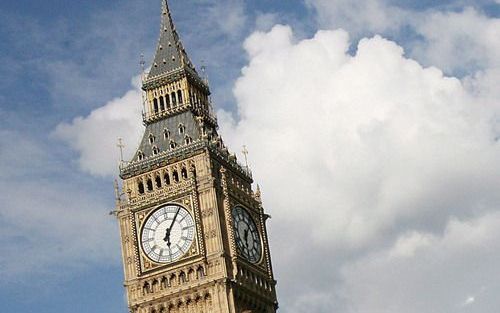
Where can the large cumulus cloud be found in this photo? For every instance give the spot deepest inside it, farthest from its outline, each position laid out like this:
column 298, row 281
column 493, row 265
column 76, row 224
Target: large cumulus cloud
column 356, row 152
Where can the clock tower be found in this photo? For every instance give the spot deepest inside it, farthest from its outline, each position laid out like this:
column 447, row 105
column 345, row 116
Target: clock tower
column 193, row 232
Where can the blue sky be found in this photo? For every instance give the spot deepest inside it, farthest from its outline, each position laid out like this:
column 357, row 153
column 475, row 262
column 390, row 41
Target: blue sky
column 62, row 62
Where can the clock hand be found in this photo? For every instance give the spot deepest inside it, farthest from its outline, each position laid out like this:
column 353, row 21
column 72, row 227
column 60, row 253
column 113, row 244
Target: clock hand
column 175, row 217
column 246, row 236
column 167, row 235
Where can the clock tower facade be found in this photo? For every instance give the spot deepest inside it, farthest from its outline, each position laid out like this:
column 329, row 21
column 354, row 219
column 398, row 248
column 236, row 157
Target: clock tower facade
column 193, row 232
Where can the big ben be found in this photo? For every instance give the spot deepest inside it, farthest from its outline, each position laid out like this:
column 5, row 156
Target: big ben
column 193, row 232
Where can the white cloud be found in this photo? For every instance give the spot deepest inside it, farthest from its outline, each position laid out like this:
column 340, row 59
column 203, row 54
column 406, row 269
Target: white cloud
column 358, row 16
column 49, row 224
column 229, row 16
column 95, row 137
column 469, row 301
column 458, row 40
column 437, row 278
column 375, row 149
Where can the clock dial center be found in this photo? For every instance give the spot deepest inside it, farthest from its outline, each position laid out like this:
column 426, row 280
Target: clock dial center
column 167, row 234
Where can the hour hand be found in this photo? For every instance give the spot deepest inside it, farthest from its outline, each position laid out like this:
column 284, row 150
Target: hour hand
column 167, row 237
column 245, row 236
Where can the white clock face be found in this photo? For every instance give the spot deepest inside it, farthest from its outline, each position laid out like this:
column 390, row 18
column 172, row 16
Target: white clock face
column 167, row 234
column 246, row 235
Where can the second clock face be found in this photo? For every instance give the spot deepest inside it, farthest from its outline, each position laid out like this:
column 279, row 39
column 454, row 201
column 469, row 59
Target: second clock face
column 246, row 235
column 167, row 234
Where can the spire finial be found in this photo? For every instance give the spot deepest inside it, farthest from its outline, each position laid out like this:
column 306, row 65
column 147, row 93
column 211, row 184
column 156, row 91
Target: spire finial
column 258, row 194
column 165, row 9
column 245, row 153
column 120, row 145
column 170, row 54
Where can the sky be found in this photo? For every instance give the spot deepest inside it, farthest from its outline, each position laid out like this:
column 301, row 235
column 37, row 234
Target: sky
column 380, row 117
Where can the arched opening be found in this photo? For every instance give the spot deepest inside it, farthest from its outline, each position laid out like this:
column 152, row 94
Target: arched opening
column 162, row 104
column 154, row 286
column 140, row 156
column 191, row 275
column 167, row 101
column 176, row 176
column 166, row 179
column 188, row 140
column 179, row 96
column 166, row 133
column 174, row 100
column 164, row 283
column 146, row 289
column 184, row 173
column 140, row 187
column 151, row 138
column 155, row 105
column 200, row 273
column 156, row 150
column 182, row 278
column 182, row 129
column 172, row 145
column 172, row 280
column 158, row 181
column 150, row 185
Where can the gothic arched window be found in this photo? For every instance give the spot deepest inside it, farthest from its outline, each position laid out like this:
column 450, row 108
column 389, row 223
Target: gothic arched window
column 167, row 100
column 184, row 173
column 162, row 104
column 158, row 181
column 182, row 278
column 156, row 150
column 155, row 105
column 166, row 179
column 174, row 100
column 179, row 96
column 151, row 138
column 140, row 156
column 200, row 273
column 175, row 175
column 166, row 134
column 140, row 187
column 150, row 185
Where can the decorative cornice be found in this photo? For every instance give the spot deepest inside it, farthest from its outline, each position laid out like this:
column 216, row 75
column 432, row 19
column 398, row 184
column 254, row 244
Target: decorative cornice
column 129, row 170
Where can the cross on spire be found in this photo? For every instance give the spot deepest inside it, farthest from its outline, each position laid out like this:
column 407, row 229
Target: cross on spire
column 245, row 154
column 120, row 145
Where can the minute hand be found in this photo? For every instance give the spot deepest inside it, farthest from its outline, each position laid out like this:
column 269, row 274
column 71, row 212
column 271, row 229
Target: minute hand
column 175, row 217
column 167, row 235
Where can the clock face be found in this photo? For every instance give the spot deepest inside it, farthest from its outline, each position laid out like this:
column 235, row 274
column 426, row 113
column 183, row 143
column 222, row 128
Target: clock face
column 167, row 234
column 246, row 235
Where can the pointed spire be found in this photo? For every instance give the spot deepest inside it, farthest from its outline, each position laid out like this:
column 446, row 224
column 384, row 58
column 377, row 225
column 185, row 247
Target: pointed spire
column 258, row 195
column 170, row 54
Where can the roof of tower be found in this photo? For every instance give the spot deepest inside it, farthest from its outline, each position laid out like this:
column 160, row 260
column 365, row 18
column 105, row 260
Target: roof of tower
column 170, row 54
